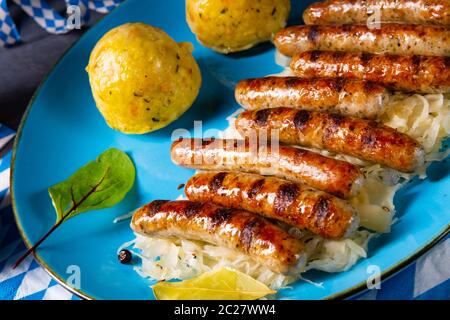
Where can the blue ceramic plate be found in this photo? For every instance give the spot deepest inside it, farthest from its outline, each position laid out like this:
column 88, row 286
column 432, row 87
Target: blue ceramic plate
column 63, row 130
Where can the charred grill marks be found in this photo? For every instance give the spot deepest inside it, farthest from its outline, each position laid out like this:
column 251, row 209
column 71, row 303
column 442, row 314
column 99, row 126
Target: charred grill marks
column 221, row 216
column 262, row 116
column 338, row 84
column 336, row 120
column 248, row 231
column 416, row 61
column 338, row 55
column 314, row 34
column 332, row 126
column 369, row 86
column 192, row 209
column 321, row 210
column 315, row 55
column 255, row 188
column 366, row 58
column 285, row 196
column 447, row 62
column 301, row 119
column 291, row 83
column 368, row 137
column 217, row 181
column 156, row 205
column 208, row 141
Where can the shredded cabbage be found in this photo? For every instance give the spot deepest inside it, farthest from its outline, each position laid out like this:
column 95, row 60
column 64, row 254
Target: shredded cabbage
column 282, row 60
column 423, row 117
column 165, row 259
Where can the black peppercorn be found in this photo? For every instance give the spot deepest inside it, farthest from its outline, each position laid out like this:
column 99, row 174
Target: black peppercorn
column 181, row 185
column 125, row 256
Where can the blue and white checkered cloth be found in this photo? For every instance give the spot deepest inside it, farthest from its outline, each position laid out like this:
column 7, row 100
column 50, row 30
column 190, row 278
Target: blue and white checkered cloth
column 48, row 18
column 427, row 278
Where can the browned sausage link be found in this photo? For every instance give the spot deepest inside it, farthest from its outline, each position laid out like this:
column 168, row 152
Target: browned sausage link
column 275, row 198
column 435, row 12
column 360, row 138
column 387, row 39
column 337, row 177
column 231, row 228
column 349, row 97
column 407, row 73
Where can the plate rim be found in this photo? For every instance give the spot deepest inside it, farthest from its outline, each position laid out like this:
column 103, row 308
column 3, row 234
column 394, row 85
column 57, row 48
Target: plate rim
column 344, row 294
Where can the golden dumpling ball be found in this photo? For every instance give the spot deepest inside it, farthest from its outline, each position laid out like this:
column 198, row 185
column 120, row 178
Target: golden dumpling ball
column 230, row 25
column 141, row 79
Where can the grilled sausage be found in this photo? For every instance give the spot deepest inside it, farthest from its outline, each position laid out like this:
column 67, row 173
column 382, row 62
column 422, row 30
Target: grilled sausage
column 275, row 198
column 388, row 39
column 235, row 229
column 436, row 12
column 422, row 74
column 365, row 139
column 348, row 97
column 337, row 177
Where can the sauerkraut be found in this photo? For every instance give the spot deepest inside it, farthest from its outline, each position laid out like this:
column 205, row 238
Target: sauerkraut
column 423, row 117
column 164, row 259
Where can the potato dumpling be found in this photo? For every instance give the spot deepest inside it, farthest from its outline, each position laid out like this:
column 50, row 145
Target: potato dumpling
column 141, row 79
column 229, row 25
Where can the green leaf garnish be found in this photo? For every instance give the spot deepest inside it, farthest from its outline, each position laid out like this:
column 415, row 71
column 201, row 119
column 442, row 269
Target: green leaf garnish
column 97, row 185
